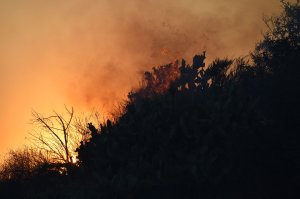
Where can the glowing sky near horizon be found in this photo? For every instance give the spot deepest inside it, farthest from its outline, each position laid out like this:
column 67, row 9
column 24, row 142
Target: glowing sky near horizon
column 89, row 54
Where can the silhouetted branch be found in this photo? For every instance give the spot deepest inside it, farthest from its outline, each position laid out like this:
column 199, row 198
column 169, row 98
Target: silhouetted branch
column 55, row 133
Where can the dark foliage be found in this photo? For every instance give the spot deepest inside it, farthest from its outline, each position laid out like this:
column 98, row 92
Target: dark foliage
column 228, row 130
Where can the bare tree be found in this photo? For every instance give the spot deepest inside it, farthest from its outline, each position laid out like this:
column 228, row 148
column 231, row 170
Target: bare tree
column 56, row 135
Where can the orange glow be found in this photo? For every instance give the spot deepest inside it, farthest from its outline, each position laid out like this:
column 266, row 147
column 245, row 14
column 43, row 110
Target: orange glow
column 74, row 159
column 89, row 54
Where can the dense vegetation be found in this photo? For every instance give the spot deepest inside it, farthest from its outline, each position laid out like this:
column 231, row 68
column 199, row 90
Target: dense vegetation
column 226, row 130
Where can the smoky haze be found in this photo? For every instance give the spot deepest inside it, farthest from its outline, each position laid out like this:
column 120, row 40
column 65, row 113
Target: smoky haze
column 141, row 34
column 91, row 53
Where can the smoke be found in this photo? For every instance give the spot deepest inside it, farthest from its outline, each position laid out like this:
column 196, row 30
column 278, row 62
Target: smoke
column 142, row 34
column 89, row 54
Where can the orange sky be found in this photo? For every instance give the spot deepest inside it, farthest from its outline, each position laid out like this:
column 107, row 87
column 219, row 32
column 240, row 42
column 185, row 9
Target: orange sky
column 89, row 53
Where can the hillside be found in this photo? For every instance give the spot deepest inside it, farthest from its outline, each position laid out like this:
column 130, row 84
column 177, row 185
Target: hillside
column 229, row 129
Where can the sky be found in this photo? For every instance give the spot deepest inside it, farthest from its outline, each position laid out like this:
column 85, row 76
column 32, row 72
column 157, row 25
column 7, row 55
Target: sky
column 90, row 54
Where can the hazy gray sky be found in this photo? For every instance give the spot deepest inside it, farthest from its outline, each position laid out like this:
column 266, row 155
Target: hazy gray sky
column 90, row 53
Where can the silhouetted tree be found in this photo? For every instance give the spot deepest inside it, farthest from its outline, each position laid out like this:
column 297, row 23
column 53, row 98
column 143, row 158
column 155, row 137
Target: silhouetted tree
column 56, row 135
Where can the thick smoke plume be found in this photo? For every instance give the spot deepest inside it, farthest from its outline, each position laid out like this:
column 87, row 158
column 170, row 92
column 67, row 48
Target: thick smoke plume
column 142, row 34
